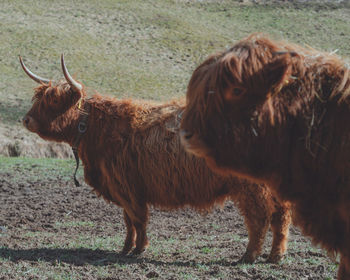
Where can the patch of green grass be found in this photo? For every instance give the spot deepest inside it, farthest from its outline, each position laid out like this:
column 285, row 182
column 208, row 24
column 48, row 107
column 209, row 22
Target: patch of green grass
column 245, row 266
column 311, row 261
column 90, row 242
column 207, row 250
column 332, row 267
column 288, row 260
column 185, row 276
column 164, row 247
column 239, row 238
column 37, row 234
column 37, row 270
column 215, row 226
column 33, row 169
column 202, row 267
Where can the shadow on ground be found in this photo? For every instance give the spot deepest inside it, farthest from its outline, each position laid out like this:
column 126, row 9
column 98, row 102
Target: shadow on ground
column 82, row 256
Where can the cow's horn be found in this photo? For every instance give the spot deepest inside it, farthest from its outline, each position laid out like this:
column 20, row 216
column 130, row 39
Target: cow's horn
column 68, row 77
column 31, row 75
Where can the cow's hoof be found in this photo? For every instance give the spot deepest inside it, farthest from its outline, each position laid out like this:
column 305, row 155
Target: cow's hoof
column 247, row 258
column 275, row 258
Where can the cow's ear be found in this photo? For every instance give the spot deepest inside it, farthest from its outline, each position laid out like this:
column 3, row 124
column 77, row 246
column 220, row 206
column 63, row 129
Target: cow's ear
column 74, row 96
column 278, row 71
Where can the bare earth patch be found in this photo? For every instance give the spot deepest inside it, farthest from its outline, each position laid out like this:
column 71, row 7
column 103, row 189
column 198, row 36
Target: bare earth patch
column 50, row 229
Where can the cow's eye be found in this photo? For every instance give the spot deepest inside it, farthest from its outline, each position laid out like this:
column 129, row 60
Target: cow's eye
column 238, row 91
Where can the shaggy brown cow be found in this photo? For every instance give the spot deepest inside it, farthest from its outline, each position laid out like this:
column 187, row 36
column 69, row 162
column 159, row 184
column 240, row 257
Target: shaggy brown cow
column 132, row 157
column 277, row 113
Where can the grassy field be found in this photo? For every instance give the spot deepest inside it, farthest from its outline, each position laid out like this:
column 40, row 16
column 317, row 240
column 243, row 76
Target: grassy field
column 144, row 50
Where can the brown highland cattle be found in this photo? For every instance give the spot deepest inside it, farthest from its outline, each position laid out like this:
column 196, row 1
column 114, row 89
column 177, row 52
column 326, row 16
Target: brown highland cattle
column 133, row 157
column 277, row 113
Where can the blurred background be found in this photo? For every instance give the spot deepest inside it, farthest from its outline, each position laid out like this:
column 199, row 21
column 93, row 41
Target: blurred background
column 139, row 49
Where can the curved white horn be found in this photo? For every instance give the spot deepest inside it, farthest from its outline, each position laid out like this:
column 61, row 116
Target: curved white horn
column 68, row 77
column 31, row 75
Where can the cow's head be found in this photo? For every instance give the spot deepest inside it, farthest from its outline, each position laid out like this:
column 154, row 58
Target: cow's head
column 227, row 89
column 51, row 101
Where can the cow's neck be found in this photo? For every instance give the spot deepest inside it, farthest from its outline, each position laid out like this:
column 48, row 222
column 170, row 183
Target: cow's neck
column 106, row 118
column 256, row 149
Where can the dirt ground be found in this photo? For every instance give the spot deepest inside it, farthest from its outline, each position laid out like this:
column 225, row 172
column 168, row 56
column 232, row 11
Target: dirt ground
column 50, row 229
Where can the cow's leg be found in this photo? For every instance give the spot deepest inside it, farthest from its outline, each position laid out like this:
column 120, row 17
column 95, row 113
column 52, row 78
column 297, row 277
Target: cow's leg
column 344, row 268
column 256, row 234
column 140, row 226
column 280, row 222
column 129, row 242
column 254, row 207
column 139, row 216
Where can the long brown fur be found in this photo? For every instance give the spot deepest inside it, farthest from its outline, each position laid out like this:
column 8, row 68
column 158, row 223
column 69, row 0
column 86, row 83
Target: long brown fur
column 278, row 113
column 132, row 157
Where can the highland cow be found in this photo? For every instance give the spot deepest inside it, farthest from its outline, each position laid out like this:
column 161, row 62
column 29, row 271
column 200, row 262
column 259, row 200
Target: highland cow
column 133, row 158
column 277, row 113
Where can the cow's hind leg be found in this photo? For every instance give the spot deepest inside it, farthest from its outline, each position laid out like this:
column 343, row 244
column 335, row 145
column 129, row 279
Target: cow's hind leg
column 140, row 225
column 129, row 242
column 280, row 222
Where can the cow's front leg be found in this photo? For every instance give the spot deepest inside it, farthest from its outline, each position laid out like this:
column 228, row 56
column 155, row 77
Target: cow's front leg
column 344, row 268
column 253, row 204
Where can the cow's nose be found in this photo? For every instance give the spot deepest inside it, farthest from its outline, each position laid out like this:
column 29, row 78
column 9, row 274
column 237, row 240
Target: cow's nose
column 185, row 134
